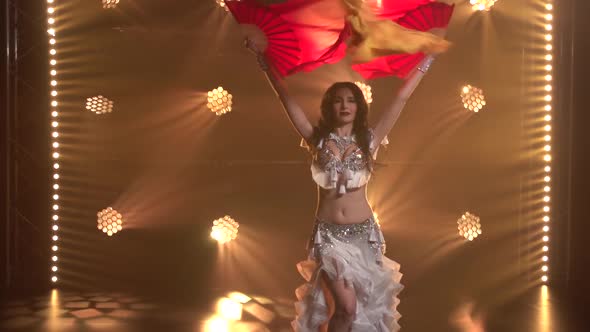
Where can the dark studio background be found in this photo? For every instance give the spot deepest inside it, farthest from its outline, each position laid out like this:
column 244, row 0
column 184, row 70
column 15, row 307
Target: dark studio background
column 172, row 170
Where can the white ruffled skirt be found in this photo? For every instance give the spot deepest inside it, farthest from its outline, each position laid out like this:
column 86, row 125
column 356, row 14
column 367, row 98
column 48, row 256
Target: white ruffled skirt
column 353, row 253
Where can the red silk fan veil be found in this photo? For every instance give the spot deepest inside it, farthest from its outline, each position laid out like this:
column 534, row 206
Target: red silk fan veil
column 269, row 32
column 301, row 35
column 428, row 17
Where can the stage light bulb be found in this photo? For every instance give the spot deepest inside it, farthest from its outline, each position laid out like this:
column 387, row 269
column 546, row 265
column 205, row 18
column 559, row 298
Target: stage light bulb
column 481, row 5
column 219, row 101
column 99, row 104
column 224, row 229
column 109, row 221
column 367, row 91
column 469, row 226
column 472, row 98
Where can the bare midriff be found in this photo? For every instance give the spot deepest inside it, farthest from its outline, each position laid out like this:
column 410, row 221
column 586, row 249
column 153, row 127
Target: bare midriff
column 349, row 208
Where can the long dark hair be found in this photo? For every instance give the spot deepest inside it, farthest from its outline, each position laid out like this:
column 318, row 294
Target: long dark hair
column 360, row 126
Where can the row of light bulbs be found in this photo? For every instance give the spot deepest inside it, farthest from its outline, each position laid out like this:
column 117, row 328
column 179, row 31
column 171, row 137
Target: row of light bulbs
column 546, row 183
column 54, row 134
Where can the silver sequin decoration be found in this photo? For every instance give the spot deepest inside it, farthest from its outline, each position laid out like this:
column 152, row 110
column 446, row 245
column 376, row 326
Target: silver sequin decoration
column 328, row 161
column 344, row 233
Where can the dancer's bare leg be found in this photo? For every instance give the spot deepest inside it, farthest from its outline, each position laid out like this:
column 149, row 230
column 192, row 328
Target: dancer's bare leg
column 344, row 301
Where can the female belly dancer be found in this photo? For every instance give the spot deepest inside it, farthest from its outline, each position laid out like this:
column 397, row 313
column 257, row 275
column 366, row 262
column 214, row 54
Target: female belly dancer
column 350, row 284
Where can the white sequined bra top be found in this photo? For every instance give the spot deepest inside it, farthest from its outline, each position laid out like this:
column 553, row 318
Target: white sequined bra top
column 338, row 162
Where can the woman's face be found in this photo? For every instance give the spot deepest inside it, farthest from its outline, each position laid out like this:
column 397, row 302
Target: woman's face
column 344, row 106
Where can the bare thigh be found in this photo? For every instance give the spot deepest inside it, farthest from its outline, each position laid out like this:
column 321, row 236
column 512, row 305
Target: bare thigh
column 340, row 296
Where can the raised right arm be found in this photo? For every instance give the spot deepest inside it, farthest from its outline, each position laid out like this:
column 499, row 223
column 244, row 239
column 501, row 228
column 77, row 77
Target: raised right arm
column 294, row 112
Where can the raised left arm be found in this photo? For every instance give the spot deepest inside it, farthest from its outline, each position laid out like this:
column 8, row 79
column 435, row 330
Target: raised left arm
column 393, row 111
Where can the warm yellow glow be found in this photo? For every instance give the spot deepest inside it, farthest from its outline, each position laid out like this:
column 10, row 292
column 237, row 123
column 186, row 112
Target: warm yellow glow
column 239, row 297
column 224, row 229
column 367, row 91
column 549, row 17
column 548, row 108
column 548, row 77
column 221, row 4
column 54, row 279
column 54, row 311
column 545, row 248
column 548, row 57
column 229, row 309
column 545, row 238
column 469, row 226
column 546, row 199
column 480, row 5
column 547, row 189
column 547, row 128
column 216, row 324
column 544, row 278
column 545, row 228
column 376, row 217
column 547, row 157
column 546, row 218
column 547, row 118
column 219, row 101
column 109, row 221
